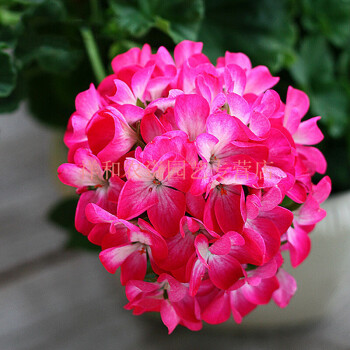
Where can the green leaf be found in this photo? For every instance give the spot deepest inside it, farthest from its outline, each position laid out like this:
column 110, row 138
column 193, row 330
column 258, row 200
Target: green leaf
column 180, row 19
column 44, row 38
column 8, row 17
column 314, row 71
column 11, row 103
column 7, row 74
column 55, row 55
column 314, row 65
column 131, row 19
column 332, row 104
column 264, row 30
column 62, row 214
column 8, row 36
column 52, row 99
column 45, row 12
column 328, row 17
column 337, row 155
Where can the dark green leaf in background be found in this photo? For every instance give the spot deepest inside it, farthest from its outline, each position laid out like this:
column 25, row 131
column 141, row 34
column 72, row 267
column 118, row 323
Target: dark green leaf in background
column 314, row 65
column 7, row 74
column 314, row 71
column 11, row 102
column 180, row 19
column 329, row 18
column 62, row 214
column 264, row 30
column 57, row 56
column 8, row 36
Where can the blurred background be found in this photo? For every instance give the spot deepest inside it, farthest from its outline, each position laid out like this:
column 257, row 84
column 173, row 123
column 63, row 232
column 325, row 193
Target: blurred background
column 54, row 294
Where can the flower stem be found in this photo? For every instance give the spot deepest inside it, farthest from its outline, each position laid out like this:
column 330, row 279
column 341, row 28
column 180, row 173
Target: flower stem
column 93, row 53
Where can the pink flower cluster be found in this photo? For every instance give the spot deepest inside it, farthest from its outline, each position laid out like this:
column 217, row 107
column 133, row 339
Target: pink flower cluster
column 211, row 163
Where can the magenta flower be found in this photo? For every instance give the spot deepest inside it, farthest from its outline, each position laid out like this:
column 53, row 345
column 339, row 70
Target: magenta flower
column 167, row 296
column 87, row 175
column 193, row 179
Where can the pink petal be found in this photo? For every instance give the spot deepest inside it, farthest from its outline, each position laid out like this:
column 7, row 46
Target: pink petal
column 223, row 127
column 88, row 102
column 123, row 94
column 140, row 80
column 259, row 124
column 240, row 305
column 253, row 251
column 272, row 175
column 98, row 232
column 259, row 79
column 286, row 289
column 268, row 104
column 308, row 132
column 281, row 217
column 298, row 193
column 173, row 171
column 201, row 176
column 309, row 213
column 112, row 258
column 164, row 56
column 130, row 57
column 186, row 49
column 227, row 210
column 269, row 232
column 222, row 246
column 131, row 113
column 201, row 245
column 197, row 273
column 169, row 316
column 191, row 112
column 180, row 249
column 224, row 270
column 205, row 144
column 115, row 185
column 176, row 291
column 195, row 205
column 262, row 293
column 135, row 198
column 322, row 190
column 109, row 136
column 97, row 215
column 297, row 105
column 87, row 170
column 100, row 198
column 166, row 214
column 239, row 107
column 300, row 245
column 218, row 311
column 151, row 127
column 271, row 199
column 209, row 87
column 73, row 175
column 134, row 267
column 157, row 243
column 136, row 171
column 235, row 79
column 314, row 158
column 238, row 58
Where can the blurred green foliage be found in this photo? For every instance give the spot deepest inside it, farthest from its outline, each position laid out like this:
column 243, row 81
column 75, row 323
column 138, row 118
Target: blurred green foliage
column 44, row 58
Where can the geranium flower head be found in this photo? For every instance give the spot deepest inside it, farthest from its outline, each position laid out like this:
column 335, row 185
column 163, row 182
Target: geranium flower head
column 194, row 178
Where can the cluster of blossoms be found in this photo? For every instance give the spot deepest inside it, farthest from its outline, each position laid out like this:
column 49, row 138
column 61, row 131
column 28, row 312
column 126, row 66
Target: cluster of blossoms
column 188, row 174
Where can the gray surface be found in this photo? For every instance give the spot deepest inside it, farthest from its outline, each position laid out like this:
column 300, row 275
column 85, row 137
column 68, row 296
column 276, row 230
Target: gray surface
column 54, row 300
